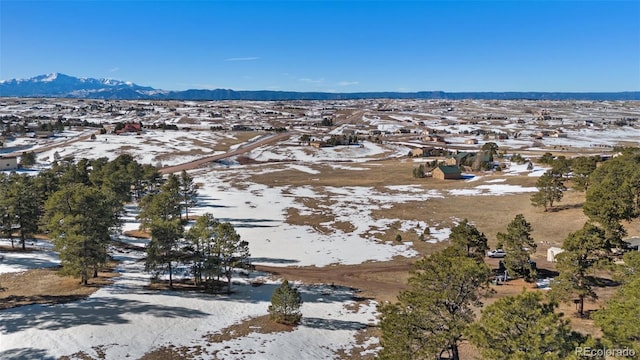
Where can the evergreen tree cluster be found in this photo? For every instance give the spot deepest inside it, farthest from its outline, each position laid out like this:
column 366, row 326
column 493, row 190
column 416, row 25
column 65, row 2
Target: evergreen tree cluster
column 213, row 250
column 77, row 203
column 552, row 184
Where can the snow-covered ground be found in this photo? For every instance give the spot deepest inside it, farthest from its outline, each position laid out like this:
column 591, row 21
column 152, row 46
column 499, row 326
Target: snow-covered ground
column 259, row 214
column 154, row 147
column 124, row 320
column 363, row 152
column 16, row 261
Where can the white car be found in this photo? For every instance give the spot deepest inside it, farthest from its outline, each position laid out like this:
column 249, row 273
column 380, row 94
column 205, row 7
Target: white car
column 498, row 253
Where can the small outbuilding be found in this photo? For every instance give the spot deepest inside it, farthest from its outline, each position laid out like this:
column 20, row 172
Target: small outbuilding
column 552, row 252
column 446, row 172
column 8, row 163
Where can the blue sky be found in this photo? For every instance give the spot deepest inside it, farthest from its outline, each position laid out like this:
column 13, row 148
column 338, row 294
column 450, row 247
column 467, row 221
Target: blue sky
column 343, row 46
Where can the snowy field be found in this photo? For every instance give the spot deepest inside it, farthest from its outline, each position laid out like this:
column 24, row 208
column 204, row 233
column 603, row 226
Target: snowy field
column 154, row 147
column 124, row 320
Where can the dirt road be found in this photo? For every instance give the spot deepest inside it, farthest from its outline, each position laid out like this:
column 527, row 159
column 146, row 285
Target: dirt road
column 240, row 150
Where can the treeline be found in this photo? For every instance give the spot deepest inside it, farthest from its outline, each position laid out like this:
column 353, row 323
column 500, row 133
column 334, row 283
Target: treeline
column 77, row 204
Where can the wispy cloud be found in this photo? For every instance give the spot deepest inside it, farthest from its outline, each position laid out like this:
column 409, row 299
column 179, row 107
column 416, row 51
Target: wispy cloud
column 112, row 70
column 347, row 83
column 311, row 81
column 250, row 58
column 200, row 86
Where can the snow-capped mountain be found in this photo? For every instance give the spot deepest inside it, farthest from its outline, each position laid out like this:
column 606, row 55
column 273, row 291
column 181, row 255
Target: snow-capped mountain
column 61, row 85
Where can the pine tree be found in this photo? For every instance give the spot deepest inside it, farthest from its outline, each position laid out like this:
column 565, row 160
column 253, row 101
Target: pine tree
column 162, row 250
column 518, row 245
column 160, row 214
column 586, row 250
column 233, row 253
column 80, row 220
column 613, row 194
column 619, row 317
column 581, row 168
column 6, row 220
column 419, row 171
column 163, row 205
column 285, row 304
column 550, row 190
column 523, row 327
column 28, row 159
column 188, row 192
column 467, row 236
column 23, row 206
column 202, row 248
column 430, row 317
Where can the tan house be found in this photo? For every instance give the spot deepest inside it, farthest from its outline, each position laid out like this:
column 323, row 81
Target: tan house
column 446, row 172
column 434, row 138
column 471, row 141
column 422, row 151
column 418, row 152
column 8, row 163
column 318, row 144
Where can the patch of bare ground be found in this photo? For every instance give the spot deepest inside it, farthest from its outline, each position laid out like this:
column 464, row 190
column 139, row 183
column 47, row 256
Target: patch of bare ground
column 374, row 280
column 172, row 352
column 81, row 355
column 389, row 172
column 260, row 325
column 124, row 148
column 234, row 138
column 363, row 348
column 314, row 220
column 245, row 160
column 344, row 226
column 174, row 154
column 137, row 234
column 491, row 214
column 17, row 248
column 47, row 286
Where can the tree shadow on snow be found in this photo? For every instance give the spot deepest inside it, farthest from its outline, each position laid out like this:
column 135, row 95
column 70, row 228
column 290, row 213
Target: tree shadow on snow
column 25, row 353
column 23, row 260
column 331, row 324
column 268, row 260
column 93, row 311
column 317, row 293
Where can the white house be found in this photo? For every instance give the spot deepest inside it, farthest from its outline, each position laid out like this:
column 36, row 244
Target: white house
column 552, row 252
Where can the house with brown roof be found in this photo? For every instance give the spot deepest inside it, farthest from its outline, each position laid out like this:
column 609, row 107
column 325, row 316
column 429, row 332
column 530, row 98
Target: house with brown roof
column 130, row 127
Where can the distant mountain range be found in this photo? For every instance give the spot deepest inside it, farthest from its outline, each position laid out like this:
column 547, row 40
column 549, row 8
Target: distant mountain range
column 65, row 86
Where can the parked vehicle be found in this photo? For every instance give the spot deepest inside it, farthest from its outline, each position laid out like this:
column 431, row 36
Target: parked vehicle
column 498, row 253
